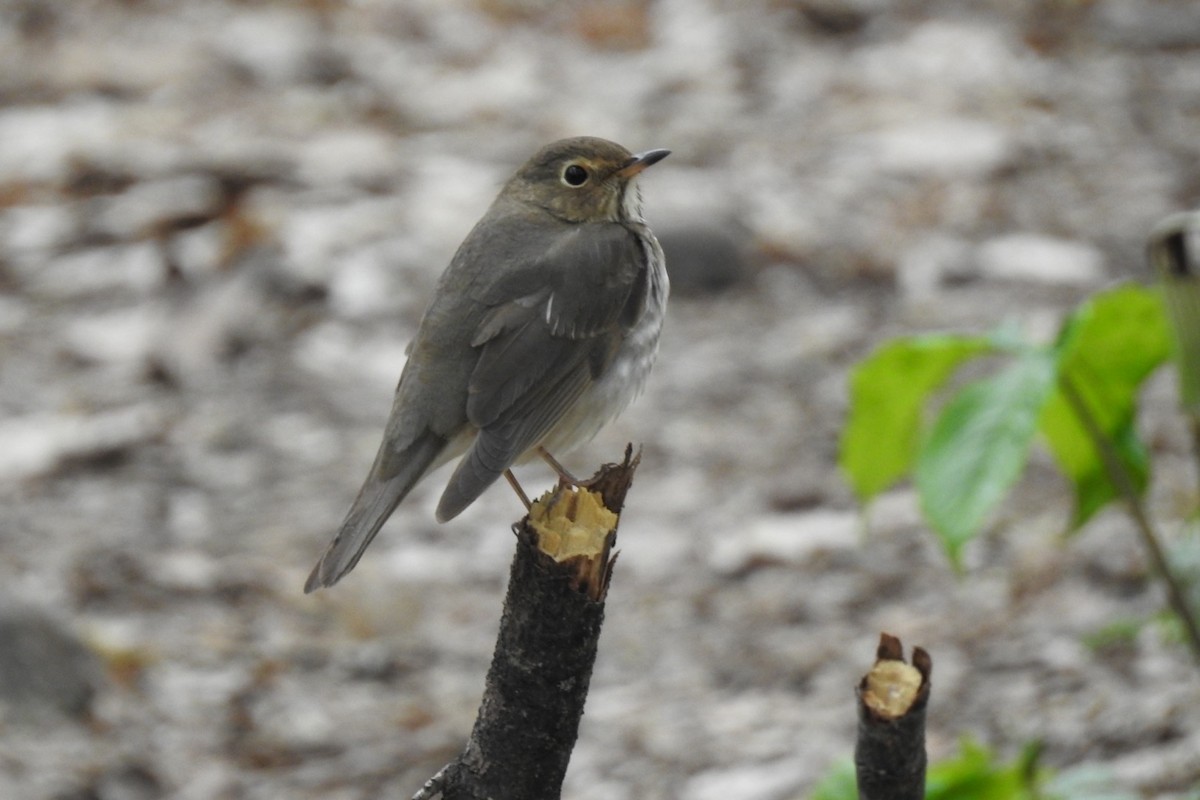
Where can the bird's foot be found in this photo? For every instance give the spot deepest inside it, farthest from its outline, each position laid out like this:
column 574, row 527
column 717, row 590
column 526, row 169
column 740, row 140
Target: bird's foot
column 565, row 478
column 516, row 487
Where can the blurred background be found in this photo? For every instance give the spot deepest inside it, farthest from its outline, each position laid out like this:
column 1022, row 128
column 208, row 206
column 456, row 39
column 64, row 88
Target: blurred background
column 219, row 224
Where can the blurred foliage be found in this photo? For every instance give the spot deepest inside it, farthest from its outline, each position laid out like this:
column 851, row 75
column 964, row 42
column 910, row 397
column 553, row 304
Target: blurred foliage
column 967, row 458
column 1119, row 633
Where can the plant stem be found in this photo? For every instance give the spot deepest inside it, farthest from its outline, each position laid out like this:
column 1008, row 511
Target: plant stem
column 1119, row 475
column 889, row 754
column 1194, row 419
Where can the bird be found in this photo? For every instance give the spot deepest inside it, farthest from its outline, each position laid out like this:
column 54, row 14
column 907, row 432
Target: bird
column 542, row 329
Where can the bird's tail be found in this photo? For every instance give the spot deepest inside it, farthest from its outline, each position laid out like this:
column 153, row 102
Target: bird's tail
column 486, row 460
column 392, row 477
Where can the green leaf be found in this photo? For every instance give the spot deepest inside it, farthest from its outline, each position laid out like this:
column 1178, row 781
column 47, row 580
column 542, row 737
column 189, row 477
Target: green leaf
column 888, row 391
column 979, row 445
column 1108, row 347
column 974, row 774
column 1080, row 461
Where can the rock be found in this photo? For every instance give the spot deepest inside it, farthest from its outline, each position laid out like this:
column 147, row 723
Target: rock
column 839, row 17
column 783, row 539
column 149, row 206
column 128, row 781
column 314, row 236
column 1040, row 259
column 775, row 781
column 924, row 267
column 44, row 667
column 449, row 192
column 39, row 444
column 942, row 147
column 42, row 142
column 14, row 313
column 698, row 221
column 189, row 516
column 349, row 157
column 703, row 259
column 199, row 252
column 1162, row 25
column 135, row 269
column 370, row 280
column 125, row 337
column 273, row 45
column 35, row 231
column 188, row 571
column 222, row 317
column 944, row 63
column 373, row 365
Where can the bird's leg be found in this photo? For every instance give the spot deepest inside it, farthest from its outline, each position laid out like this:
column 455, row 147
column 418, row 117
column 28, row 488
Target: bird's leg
column 512, row 481
column 565, row 478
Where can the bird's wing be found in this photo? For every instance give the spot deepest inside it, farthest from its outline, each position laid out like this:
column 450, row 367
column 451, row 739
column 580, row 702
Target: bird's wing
column 536, row 330
column 542, row 343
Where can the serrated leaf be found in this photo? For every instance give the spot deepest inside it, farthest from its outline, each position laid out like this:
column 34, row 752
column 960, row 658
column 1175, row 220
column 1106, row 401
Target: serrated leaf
column 979, row 445
column 1108, row 347
column 888, row 391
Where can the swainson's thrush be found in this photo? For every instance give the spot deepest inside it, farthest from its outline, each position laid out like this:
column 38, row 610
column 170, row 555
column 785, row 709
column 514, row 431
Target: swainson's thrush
column 542, row 329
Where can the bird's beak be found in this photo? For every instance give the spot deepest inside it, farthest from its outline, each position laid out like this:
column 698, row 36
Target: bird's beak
column 640, row 161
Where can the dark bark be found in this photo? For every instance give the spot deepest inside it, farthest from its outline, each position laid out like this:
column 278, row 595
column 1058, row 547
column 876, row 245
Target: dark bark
column 889, row 757
column 538, row 681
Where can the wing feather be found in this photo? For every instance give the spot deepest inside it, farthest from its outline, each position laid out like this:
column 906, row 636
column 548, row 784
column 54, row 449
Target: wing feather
column 542, row 344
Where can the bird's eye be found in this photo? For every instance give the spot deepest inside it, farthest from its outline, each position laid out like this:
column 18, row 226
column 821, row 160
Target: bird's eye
column 575, row 175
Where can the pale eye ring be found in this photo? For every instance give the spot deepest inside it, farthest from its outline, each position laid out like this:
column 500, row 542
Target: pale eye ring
column 575, row 175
